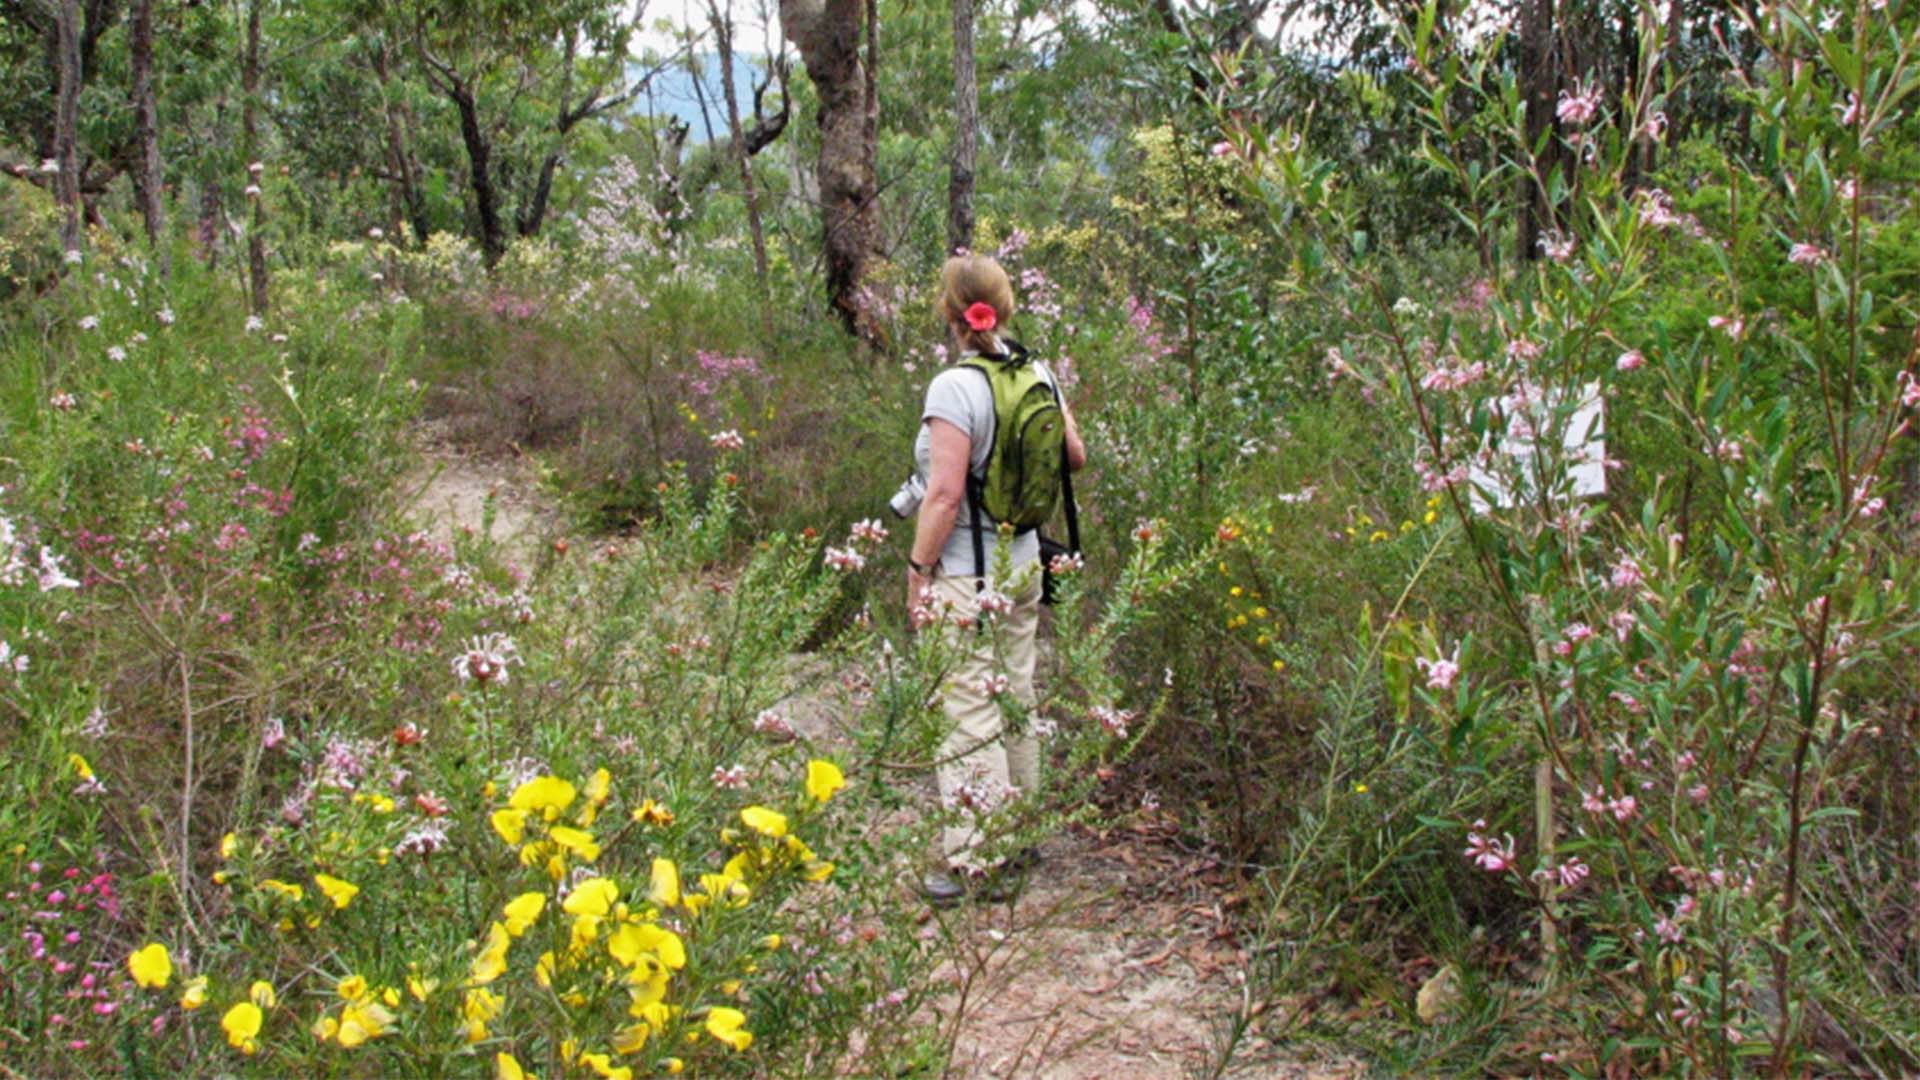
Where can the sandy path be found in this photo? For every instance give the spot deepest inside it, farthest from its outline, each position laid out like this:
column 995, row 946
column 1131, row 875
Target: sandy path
column 1118, row 960
column 448, row 495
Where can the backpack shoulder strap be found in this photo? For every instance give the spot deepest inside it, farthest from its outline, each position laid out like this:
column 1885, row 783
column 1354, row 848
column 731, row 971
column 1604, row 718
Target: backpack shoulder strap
column 977, row 484
column 1066, row 480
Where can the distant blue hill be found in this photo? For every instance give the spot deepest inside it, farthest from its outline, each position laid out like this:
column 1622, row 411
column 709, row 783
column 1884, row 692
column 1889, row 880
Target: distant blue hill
column 672, row 94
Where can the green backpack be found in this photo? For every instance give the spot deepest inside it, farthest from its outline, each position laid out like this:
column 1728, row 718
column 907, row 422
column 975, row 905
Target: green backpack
column 1026, row 465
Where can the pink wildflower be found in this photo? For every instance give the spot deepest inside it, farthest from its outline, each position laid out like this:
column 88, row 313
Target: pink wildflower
column 845, row 559
column 1580, row 106
column 1493, row 856
column 1804, row 254
column 486, row 659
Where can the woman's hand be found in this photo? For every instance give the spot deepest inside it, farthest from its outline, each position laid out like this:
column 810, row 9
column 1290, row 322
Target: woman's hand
column 918, row 587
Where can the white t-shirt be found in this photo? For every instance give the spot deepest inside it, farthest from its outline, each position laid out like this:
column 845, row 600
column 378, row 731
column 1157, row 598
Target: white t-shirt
column 962, row 397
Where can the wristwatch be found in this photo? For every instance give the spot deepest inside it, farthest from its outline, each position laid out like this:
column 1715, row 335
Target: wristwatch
column 925, row 570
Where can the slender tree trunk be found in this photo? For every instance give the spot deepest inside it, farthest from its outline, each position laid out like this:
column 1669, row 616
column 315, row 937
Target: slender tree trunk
column 723, row 34
column 408, row 205
column 486, row 197
column 1539, row 80
column 66, row 123
column 250, row 134
column 147, row 177
column 966, row 130
column 698, row 78
column 828, row 34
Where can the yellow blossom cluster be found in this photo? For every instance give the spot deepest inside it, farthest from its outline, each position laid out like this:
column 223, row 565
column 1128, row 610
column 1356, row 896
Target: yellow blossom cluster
column 589, row 940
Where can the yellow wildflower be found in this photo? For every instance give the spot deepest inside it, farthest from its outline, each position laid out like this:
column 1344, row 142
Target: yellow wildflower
column 584, row 932
column 770, row 942
column 481, row 1006
column 227, row 845
column 602, row 1064
column 726, row 1025
column 507, row 1067
column 824, row 779
column 595, row 896
column 545, row 967
column 818, row 871
column 510, row 824
column 631, row 1039
column 673, row 1066
column 666, row 883
column 324, row 1027
column 652, row 813
column 764, row 821
column 80, row 767
column 151, row 966
column 726, row 888
column 194, row 994
column 420, row 988
column 579, row 842
column 358, row 1023
column 522, row 910
column 294, row 893
column 633, row 941
column 242, row 1025
column 491, row 961
column 548, row 796
column 261, row 994
column 1430, row 516
column 338, row 891
column 599, row 788
column 351, row 988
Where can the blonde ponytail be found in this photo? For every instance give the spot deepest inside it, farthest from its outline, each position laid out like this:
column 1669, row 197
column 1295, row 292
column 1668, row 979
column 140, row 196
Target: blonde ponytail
column 967, row 280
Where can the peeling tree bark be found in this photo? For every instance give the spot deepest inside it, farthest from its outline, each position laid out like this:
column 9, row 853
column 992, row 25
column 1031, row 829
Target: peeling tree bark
column 966, row 130
column 828, row 34
column 147, row 179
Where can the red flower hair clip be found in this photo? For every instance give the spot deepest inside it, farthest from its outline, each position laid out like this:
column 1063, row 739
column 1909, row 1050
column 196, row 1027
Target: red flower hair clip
column 981, row 316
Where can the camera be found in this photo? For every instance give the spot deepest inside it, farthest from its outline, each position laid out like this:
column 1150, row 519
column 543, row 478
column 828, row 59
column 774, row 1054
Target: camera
column 906, row 502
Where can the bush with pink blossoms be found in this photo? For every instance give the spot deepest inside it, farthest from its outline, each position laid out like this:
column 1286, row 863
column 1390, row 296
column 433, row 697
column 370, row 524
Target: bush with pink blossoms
column 1697, row 635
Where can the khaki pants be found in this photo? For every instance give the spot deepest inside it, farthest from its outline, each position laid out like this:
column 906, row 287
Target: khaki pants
column 993, row 764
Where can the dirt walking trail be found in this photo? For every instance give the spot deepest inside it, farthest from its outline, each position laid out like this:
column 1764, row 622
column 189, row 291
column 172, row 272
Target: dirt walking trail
column 1118, row 960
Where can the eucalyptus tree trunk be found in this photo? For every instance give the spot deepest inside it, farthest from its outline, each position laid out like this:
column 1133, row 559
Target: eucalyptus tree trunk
column 250, row 135
column 723, row 35
column 147, row 181
column 66, row 123
column 966, row 130
column 828, row 35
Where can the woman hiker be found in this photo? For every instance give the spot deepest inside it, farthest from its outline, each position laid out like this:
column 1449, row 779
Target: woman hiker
column 981, row 764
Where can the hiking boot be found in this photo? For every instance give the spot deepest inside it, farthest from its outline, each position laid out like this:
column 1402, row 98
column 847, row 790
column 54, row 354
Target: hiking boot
column 943, row 888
